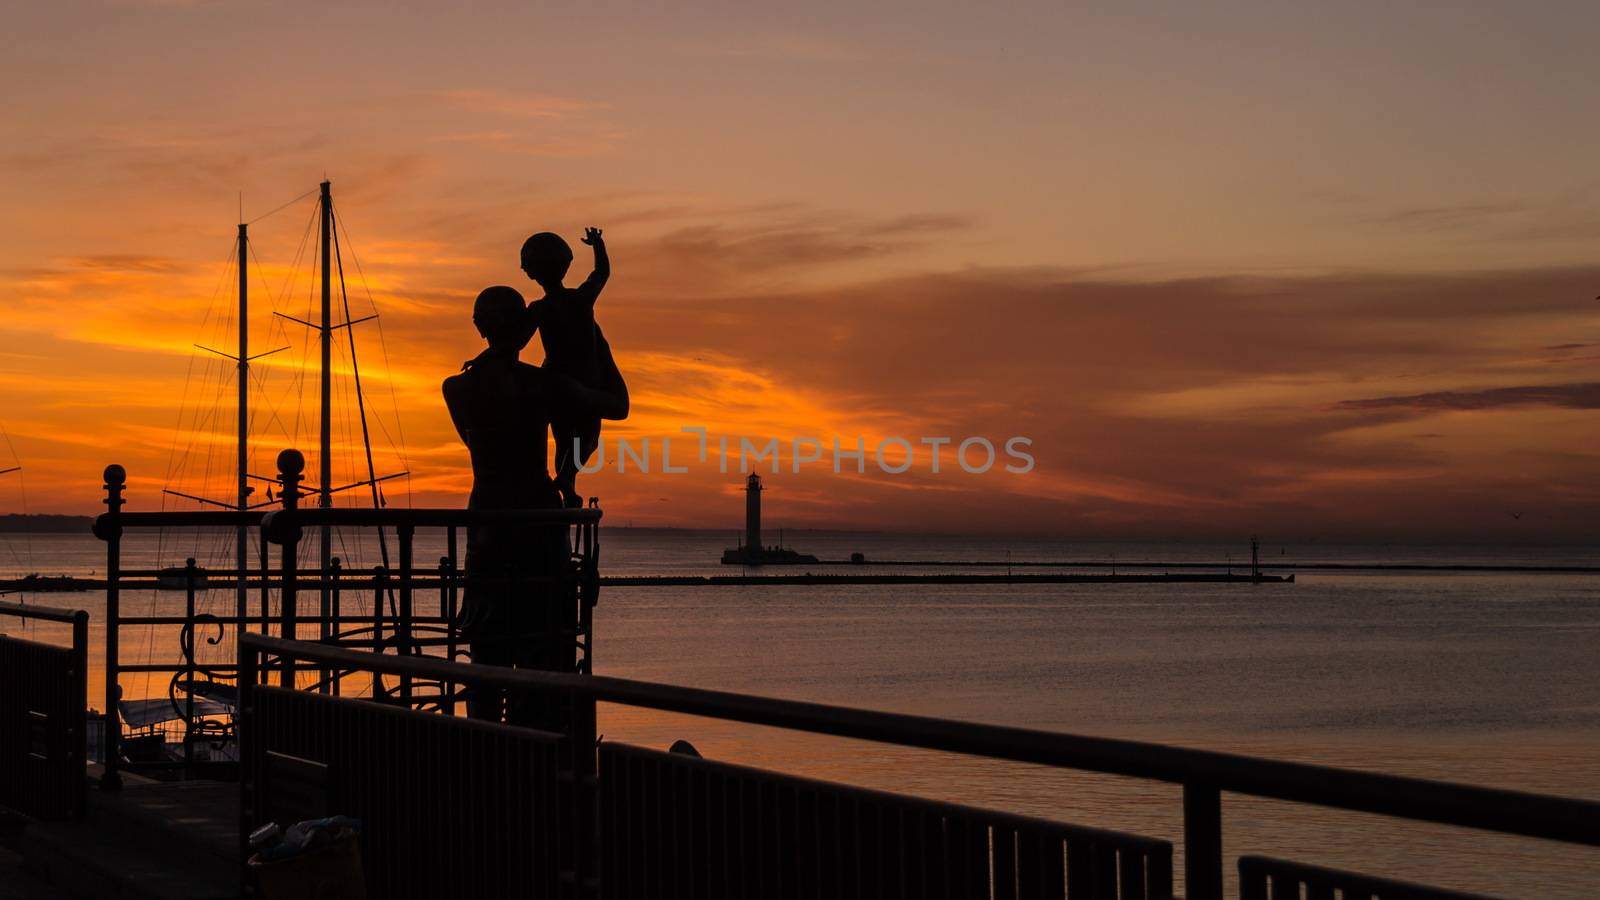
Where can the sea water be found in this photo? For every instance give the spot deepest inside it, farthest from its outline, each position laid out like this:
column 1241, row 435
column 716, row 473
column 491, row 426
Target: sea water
column 1478, row 677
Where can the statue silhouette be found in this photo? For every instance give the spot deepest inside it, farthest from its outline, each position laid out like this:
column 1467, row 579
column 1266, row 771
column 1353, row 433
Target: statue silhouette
column 514, row 611
column 573, row 345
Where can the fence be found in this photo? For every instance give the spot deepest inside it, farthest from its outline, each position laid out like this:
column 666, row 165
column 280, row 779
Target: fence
column 1263, row 878
column 293, row 600
column 1204, row 775
column 450, row 807
column 674, row 825
column 43, row 692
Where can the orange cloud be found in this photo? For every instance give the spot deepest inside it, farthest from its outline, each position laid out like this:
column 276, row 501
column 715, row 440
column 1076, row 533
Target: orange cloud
column 1216, row 405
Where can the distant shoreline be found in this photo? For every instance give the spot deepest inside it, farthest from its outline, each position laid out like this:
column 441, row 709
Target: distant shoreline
column 44, row 523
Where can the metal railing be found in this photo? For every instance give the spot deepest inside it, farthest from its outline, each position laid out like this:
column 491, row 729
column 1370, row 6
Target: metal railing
column 1264, row 878
column 43, row 717
column 414, row 606
column 450, row 807
column 1203, row 775
column 676, row 825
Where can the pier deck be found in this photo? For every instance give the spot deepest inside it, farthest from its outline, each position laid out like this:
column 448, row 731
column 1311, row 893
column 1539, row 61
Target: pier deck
column 153, row 839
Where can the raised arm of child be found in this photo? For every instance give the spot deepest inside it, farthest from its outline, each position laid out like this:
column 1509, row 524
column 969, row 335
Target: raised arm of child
column 590, row 289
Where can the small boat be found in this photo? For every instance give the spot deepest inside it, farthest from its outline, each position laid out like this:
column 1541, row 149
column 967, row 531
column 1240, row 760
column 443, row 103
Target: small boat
column 48, row 584
column 179, row 578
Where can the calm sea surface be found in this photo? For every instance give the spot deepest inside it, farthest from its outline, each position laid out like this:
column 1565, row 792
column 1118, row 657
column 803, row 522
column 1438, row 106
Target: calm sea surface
column 1476, row 677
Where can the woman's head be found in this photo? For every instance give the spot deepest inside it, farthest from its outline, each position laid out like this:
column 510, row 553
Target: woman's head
column 498, row 313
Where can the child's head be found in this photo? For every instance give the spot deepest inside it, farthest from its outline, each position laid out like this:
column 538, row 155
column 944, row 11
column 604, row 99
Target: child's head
column 498, row 314
column 545, row 257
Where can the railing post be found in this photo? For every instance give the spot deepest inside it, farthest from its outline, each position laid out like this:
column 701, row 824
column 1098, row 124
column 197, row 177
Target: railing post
column 1202, row 841
column 447, row 611
column 403, row 636
column 586, row 794
column 189, row 574
column 78, row 724
column 331, row 627
column 290, row 464
column 588, row 592
column 109, row 529
column 249, row 668
column 380, row 584
column 455, row 568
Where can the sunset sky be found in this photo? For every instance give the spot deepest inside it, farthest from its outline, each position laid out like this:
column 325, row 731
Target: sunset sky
column 1316, row 271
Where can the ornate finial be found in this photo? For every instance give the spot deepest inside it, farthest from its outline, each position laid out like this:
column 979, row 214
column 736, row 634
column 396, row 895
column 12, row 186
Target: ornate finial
column 106, row 527
column 291, row 462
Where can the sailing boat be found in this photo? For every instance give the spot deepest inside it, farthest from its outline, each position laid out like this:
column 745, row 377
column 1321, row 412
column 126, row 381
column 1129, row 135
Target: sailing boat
column 202, row 703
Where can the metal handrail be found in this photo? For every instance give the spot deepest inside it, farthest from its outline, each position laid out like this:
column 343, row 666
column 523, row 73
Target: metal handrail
column 419, row 517
column 45, row 613
column 1203, row 773
column 78, row 686
column 424, row 517
column 329, row 580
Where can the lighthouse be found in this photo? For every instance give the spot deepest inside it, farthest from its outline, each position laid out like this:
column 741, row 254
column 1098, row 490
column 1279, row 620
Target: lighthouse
column 752, row 513
column 753, row 552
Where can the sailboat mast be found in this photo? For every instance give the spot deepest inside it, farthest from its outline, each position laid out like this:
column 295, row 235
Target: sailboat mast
column 241, row 535
column 325, row 486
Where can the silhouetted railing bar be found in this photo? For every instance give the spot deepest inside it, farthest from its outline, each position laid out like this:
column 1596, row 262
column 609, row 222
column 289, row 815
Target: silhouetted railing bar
column 219, row 519
column 266, row 578
column 1264, row 878
column 1488, row 809
column 348, row 579
column 448, row 601
column 836, row 840
column 451, row 577
column 333, row 599
column 365, row 622
column 704, row 768
column 1204, row 774
column 279, row 522
column 44, row 716
column 403, row 621
column 44, row 613
column 419, row 517
column 1202, row 838
column 189, row 572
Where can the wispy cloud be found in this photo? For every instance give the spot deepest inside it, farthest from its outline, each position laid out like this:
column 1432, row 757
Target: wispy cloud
column 1453, row 216
column 516, row 105
column 1566, row 216
column 563, row 147
column 1571, row 396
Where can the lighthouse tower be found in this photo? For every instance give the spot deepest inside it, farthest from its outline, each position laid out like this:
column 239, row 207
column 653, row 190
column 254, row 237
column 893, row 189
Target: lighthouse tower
column 752, row 513
column 753, row 553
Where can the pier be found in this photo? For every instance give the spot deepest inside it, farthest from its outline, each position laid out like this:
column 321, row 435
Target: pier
column 827, row 578
column 72, row 585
